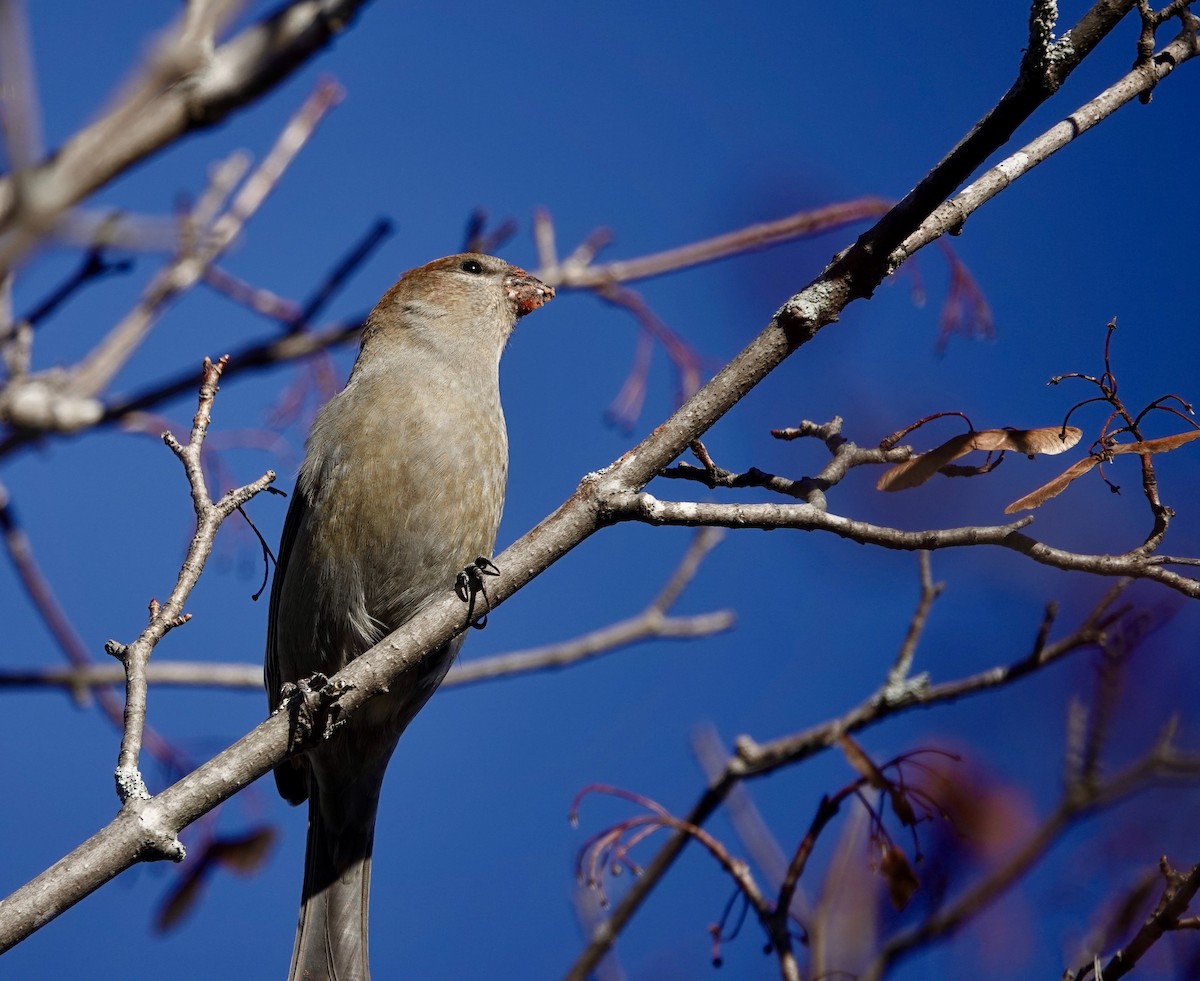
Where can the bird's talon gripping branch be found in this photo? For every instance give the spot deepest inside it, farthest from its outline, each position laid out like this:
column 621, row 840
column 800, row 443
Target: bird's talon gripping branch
column 469, row 583
column 302, row 699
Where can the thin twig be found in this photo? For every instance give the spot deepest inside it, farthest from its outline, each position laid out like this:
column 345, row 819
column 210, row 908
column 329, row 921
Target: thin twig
column 1078, row 800
column 753, row 760
column 578, row 273
column 651, row 622
column 898, row 677
column 1179, row 890
column 164, row 617
column 648, row 509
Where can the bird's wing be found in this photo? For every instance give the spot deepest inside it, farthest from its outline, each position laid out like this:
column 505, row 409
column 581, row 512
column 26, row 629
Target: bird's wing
column 297, row 511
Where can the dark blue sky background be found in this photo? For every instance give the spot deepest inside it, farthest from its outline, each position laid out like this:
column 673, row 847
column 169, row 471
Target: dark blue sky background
column 666, row 123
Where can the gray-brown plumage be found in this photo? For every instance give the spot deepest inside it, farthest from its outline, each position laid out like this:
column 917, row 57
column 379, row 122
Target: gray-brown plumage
column 401, row 487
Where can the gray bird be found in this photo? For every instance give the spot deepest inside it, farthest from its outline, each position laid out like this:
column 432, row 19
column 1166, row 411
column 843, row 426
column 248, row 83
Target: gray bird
column 401, row 487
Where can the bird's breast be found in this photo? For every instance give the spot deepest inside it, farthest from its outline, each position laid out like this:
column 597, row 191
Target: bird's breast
column 401, row 498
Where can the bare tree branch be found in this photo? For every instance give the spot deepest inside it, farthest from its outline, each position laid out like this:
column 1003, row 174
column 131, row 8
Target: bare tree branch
column 951, row 216
column 806, row 517
column 164, row 617
column 577, row 272
column 187, row 84
column 752, row 759
column 1163, row 763
column 652, row 622
column 67, row 401
column 1179, row 889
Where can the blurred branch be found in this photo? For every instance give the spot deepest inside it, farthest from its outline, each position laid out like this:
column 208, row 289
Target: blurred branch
column 747, row 821
column 625, row 407
column 628, row 403
column 333, row 280
column 752, row 759
column 298, row 316
column 97, row 369
column 187, row 674
column 45, row 602
column 94, row 266
column 66, row 401
column 252, row 357
column 650, row 623
column 21, row 115
column 577, row 271
column 296, row 345
column 588, row 913
column 187, row 83
column 1078, row 800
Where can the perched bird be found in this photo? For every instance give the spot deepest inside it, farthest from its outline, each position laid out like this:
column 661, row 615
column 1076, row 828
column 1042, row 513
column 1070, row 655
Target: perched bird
column 401, row 487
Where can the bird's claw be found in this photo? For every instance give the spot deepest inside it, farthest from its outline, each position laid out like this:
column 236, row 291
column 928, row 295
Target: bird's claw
column 469, row 584
column 309, row 705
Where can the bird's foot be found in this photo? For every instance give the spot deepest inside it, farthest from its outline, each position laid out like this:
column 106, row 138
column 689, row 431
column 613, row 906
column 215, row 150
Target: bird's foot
column 469, row 584
column 307, row 707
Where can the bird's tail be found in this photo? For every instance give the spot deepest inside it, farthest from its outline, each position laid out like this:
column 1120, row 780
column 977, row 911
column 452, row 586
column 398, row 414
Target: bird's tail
column 331, row 938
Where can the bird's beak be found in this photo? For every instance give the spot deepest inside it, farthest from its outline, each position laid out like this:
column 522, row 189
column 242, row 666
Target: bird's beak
column 526, row 292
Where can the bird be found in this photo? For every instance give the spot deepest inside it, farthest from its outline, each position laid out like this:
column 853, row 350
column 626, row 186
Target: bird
column 401, row 486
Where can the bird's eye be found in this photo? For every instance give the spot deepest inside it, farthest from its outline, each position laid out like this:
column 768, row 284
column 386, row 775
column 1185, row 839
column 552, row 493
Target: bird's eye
column 471, row 266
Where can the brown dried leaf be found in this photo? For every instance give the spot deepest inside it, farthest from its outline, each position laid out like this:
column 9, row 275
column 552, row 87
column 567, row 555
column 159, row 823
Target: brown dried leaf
column 1035, row 499
column 902, row 881
column 918, row 469
column 1164, row 444
column 243, row 854
column 1048, row 440
column 902, row 807
column 993, row 439
column 181, row 899
column 985, row 818
column 246, row 853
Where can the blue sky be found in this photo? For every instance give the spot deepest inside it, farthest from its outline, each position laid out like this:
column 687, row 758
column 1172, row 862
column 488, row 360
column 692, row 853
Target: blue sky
column 665, row 124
